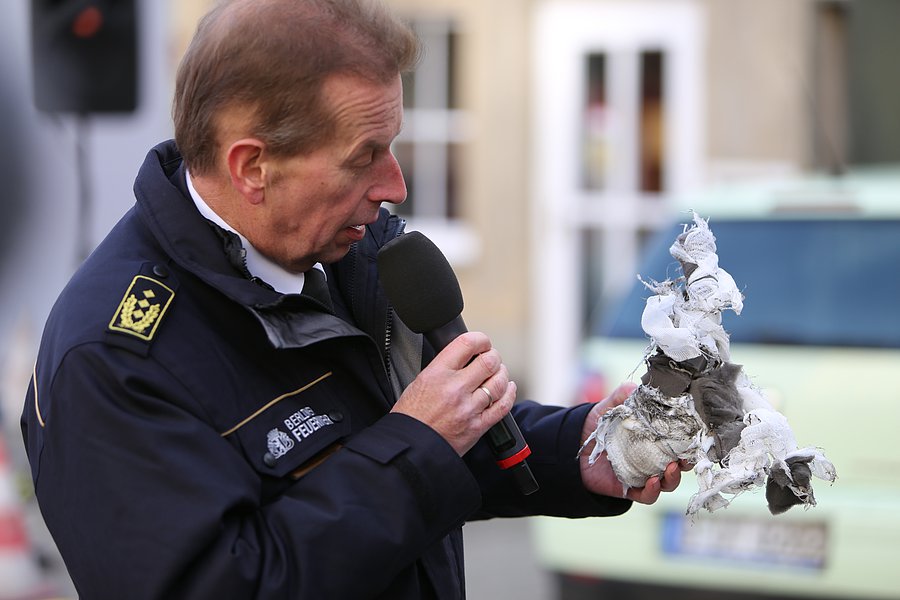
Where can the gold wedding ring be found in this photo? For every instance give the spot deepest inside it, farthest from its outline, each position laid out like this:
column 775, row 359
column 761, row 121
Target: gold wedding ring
column 489, row 395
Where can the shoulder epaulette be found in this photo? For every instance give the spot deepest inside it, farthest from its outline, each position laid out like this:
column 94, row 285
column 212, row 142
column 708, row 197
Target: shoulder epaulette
column 143, row 307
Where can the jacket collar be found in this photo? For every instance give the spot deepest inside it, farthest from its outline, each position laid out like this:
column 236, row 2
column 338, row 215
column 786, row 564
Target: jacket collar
column 165, row 206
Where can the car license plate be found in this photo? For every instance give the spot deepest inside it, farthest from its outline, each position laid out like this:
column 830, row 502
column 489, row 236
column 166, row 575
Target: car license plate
column 753, row 541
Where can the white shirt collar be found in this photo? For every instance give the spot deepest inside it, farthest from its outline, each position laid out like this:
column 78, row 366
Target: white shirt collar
column 260, row 266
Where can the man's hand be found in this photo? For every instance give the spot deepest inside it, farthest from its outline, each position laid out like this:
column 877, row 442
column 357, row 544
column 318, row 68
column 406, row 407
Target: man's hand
column 448, row 396
column 599, row 478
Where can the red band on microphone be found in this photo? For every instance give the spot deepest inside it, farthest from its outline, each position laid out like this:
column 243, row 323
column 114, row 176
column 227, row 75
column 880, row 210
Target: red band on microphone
column 515, row 458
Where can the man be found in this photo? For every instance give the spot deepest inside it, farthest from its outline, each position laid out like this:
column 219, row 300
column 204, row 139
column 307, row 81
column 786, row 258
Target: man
column 198, row 428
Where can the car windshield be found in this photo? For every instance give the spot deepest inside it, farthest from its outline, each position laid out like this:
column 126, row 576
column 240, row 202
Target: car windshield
column 811, row 282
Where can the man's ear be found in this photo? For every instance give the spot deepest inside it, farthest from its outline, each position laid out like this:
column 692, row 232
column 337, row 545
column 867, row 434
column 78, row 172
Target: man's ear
column 247, row 168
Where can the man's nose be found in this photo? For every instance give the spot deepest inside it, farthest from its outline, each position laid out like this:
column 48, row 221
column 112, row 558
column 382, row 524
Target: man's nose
column 391, row 187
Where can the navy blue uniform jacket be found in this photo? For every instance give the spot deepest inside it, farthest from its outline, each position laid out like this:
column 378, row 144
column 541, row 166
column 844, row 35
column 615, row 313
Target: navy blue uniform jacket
column 194, row 434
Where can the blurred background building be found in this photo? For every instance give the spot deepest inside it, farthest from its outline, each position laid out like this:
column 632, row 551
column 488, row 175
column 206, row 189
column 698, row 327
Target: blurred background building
column 544, row 142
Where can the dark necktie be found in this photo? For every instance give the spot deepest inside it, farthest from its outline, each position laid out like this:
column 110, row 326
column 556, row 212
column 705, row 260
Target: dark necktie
column 316, row 287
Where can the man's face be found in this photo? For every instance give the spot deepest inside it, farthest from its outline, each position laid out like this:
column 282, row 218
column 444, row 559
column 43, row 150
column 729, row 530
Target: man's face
column 316, row 205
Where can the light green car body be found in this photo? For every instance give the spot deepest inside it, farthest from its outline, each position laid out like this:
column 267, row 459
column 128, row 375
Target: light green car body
column 845, row 400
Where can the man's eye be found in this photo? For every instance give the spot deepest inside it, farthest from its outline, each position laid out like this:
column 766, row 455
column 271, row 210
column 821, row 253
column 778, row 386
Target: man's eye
column 365, row 159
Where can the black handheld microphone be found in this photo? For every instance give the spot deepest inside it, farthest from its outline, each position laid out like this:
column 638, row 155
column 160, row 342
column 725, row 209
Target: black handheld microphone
column 425, row 293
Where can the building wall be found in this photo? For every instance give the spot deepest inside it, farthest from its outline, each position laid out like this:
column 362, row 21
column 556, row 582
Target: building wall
column 758, row 86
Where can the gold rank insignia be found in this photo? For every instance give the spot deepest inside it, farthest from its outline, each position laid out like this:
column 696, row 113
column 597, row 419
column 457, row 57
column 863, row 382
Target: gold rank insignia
column 142, row 308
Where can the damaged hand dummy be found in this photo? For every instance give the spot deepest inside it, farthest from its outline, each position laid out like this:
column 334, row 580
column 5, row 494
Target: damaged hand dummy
column 694, row 404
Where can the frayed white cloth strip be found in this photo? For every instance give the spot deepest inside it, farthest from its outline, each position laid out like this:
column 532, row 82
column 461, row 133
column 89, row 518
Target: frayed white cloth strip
column 685, row 329
column 649, row 431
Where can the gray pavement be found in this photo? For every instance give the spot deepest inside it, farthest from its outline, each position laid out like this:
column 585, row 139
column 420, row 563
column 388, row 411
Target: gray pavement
column 501, row 564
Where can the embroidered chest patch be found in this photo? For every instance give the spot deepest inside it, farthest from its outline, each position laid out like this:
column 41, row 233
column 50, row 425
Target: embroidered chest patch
column 142, row 308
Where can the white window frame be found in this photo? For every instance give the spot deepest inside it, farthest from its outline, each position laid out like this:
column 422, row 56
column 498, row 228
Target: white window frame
column 442, row 125
column 565, row 33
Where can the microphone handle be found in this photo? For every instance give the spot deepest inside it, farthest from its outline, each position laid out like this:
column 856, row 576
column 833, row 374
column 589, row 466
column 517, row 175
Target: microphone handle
column 504, row 438
column 510, row 451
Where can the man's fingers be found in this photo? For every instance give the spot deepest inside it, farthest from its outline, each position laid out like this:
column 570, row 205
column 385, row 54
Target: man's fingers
column 463, row 349
column 501, row 405
column 487, row 395
column 494, row 386
column 667, row 482
column 671, row 477
column 647, row 494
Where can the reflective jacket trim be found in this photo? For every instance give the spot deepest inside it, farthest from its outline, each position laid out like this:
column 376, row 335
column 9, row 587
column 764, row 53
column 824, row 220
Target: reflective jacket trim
column 37, row 407
column 276, row 401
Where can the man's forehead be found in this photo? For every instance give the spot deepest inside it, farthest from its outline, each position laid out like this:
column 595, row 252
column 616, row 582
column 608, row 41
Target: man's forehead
column 362, row 108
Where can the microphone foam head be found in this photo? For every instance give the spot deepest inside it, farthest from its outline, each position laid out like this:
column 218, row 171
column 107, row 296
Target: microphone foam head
column 419, row 282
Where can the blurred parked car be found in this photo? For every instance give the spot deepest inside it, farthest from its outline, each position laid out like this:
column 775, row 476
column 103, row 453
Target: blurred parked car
column 818, row 262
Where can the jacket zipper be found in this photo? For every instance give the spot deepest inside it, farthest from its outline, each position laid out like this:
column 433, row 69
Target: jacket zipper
column 389, row 317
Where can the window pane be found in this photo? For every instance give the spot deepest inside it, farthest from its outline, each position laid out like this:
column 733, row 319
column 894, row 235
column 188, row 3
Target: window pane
column 652, row 140
column 427, row 170
column 454, row 160
column 829, row 101
column 873, row 48
column 403, row 151
column 434, row 69
column 592, row 274
column 429, row 147
column 595, row 144
column 453, row 100
column 409, row 89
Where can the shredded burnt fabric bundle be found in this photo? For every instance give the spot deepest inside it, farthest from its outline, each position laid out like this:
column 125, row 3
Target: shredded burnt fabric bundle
column 694, row 404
